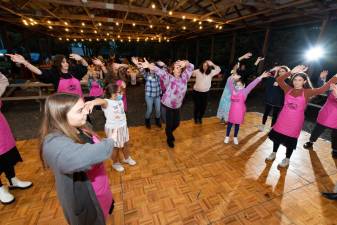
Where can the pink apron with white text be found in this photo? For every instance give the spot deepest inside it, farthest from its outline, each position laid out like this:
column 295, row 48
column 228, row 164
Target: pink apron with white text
column 238, row 108
column 72, row 86
column 291, row 118
column 96, row 90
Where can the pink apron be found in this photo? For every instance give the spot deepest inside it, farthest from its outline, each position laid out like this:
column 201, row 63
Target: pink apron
column 328, row 114
column 72, row 86
column 238, row 108
column 100, row 183
column 96, row 90
column 291, row 118
column 7, row 141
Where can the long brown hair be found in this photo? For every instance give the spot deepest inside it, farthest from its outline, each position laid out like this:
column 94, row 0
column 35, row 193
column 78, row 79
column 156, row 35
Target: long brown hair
column 57, row 62
column 305, row 77
column 55, row 119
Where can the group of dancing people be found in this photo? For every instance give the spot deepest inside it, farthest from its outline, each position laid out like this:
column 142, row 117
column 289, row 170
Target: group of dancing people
column 75, row 153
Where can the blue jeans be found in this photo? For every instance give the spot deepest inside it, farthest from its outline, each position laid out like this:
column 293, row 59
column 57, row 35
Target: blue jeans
column 149, row 106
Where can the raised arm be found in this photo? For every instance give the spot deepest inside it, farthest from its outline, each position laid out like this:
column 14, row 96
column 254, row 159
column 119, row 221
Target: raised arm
column 255, row 82
column 89, row 105
column 73, row 157
column 216, row 69
column 281, row 81
column 98, row 62
column 189, row 67
column 79, row 58
column 317, row 91
column 21, row 60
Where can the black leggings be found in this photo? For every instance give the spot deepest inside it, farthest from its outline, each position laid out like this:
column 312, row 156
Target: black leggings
column 276, row 112
column 10, row 173
column 200, row 104
column 172, row 122
column 289, row 151
column 318, row 130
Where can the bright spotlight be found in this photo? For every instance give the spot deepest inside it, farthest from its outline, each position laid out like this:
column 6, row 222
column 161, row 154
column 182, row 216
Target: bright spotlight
column 315, row 53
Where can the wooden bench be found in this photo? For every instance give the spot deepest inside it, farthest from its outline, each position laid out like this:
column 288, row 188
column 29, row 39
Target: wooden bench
column 31, row 85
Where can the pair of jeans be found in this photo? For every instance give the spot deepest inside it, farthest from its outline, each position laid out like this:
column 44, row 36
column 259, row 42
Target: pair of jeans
column 150, row 101
column 236, row 129
column 200, row 104
column 172, row 122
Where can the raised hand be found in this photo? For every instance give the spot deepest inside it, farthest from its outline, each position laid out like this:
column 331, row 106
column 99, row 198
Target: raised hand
column 17, row 58
column 134, row 60
column 75, row 57
column 89, row 106
column 299, row 69
column 265, row 74
column 324, row 74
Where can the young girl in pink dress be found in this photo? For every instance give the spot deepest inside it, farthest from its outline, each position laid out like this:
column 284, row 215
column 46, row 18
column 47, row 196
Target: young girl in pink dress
column 9, row 154
column 290, row 121
column 238, row 104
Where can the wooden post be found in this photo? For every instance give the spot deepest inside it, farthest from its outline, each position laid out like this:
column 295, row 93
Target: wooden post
column 212, row 48
column 197, row 53
column 264, row 50
column 232, row 55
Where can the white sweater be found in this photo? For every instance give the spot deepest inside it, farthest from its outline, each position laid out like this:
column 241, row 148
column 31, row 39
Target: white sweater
column 203, row 82
column 3, row 83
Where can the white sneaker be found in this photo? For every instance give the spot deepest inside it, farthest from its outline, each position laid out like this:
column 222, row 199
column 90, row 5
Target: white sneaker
column 118, row 167
column 130, row 161
column 16, row 183
column 271, row 157
column 5, row 196
column 236, row 141
column 284, row 163
column 226, row 141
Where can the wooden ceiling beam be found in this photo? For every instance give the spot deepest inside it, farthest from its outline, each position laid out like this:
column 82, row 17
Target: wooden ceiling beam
column 125, row 8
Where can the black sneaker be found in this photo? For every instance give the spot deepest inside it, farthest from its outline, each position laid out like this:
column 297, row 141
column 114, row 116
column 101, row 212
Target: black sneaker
column 331, row 196
column 308, row 145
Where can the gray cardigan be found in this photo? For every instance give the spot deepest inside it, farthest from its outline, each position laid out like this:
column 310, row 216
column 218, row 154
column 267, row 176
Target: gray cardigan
column 69, row 161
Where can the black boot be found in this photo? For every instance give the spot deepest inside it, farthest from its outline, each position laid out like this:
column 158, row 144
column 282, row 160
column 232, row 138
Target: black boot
column 308, row 145
column 158, row 122
column 148, row 123
column 330, row 195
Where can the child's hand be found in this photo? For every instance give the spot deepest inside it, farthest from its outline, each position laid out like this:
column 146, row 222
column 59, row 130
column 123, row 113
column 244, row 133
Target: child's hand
column 299, row 69
column 265, row 74
column 89, row 106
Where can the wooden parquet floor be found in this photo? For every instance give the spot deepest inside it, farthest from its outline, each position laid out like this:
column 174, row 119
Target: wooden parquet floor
column 201, row 181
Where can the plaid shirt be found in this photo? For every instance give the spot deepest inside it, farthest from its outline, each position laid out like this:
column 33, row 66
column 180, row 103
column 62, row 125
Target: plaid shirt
column 152, row 84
